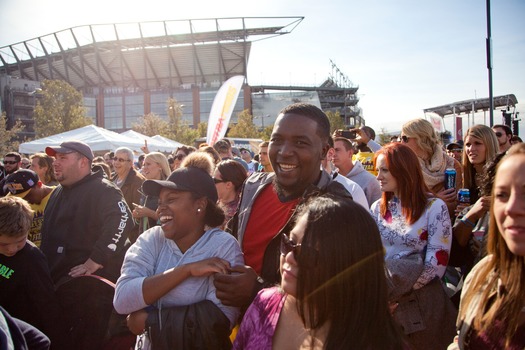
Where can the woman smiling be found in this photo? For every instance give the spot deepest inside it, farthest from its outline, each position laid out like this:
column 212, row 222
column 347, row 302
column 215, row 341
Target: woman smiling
column 172, row 266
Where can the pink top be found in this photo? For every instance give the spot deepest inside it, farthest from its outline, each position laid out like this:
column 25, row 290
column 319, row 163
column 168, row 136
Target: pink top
column 260, row 321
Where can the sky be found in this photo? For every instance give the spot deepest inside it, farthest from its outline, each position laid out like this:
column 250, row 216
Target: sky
column 405, row 55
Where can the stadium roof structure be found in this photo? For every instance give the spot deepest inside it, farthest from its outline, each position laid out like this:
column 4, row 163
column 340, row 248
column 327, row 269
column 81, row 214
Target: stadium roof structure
column 475, row 105
column 144, row 55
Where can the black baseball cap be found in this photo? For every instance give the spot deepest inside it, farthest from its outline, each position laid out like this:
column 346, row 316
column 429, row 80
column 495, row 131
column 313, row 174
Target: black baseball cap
column 454, row 145
column 69, row 147
column 20, row 182
column 190, row 179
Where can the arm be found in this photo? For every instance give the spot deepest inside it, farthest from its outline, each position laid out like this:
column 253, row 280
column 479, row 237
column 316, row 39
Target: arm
column 463, row 229
column 116, row 224
column 438, row 245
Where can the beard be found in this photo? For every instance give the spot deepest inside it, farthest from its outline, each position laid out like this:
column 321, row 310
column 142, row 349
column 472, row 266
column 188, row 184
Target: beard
column 286, row 193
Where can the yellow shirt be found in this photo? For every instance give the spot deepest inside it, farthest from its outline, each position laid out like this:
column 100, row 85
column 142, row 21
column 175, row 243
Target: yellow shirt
column 367, row 159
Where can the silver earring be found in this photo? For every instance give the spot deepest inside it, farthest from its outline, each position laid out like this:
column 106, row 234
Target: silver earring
column 198, row 210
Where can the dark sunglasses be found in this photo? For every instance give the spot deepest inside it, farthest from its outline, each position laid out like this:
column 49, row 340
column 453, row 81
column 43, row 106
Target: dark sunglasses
column 10, row 162
column 287, row 246
column 218, row 181
column 404, row 139
column 498, row 134
column 121, row 160
column 179, row 157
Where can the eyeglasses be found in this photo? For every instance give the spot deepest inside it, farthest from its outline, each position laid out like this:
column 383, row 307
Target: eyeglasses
column 120, row 160
column 179, row 156
column 457, row 150
column 498, row 134
column 404, row 139
column 218, row 181
column 287, row 246
column 10, row 162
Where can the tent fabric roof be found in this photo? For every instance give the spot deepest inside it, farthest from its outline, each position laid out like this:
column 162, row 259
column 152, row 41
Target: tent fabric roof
column 169, row 142
column 99, row 139
column 154, row 145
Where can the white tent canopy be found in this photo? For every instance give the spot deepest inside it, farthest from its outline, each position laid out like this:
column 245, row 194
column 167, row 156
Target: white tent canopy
column 169, row 142
column 154, row 144
column 99, row 139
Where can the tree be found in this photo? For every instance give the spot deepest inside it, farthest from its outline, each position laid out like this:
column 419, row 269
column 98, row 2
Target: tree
column 384, row 137
column 266, row 133
column 59, row 109
column 8, row 138
column 178, row 130
column 336, row 122
column 245, row 128
column 151, row 125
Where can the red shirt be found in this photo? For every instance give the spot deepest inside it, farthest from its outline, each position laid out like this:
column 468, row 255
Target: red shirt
column 267, row 218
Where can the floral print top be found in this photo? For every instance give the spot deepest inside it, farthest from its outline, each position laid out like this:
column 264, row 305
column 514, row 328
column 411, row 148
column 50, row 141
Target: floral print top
column 430, row 236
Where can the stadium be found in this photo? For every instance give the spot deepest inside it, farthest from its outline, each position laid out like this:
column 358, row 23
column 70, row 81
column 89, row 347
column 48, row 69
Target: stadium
column 127, row 70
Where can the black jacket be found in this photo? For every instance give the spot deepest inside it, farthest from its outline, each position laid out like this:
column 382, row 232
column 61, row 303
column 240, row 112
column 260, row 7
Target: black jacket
column 197, row 326
column 87, row 220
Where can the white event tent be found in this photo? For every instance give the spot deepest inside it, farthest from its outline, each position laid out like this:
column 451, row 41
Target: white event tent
column 99, row 139
column 169, row 142
column 154, row 144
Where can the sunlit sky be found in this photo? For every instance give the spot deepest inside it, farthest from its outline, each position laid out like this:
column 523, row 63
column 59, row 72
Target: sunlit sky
column 405, row 55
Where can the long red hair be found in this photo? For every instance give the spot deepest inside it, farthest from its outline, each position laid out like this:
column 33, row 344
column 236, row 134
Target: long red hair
column 413, row 193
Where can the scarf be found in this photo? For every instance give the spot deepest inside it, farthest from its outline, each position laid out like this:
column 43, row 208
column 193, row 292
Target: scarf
column 434, row 170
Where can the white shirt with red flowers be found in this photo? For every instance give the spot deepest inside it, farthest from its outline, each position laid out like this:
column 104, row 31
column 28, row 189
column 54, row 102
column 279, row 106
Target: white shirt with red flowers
column 430, row 236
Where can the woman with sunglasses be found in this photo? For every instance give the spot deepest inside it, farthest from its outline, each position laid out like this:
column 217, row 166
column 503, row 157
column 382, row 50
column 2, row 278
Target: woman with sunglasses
column 420, row 136
column 492, row 309
column 166, row 282
column 181, row 153
column 416, row 232
column 154, row 167
column 229, row 176
column 333, row 293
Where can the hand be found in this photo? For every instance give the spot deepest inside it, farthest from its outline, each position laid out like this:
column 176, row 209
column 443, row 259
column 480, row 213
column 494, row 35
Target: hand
column 362, row 136
column 208, row 266
column 87, row 268
column 448, row 196
column 145, row 148
column 236, row 288
column 136, row 321
column 479, row 208
column 138, row 212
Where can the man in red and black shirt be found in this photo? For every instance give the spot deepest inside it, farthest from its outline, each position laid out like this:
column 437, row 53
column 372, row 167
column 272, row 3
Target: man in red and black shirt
column 298, row 144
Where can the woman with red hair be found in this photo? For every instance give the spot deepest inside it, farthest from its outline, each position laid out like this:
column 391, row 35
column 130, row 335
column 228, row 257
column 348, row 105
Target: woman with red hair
column 416, row 233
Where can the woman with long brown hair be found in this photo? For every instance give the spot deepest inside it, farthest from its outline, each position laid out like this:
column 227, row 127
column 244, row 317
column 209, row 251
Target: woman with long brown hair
column 492, row 309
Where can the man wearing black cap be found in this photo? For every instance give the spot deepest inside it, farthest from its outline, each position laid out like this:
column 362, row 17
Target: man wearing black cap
column 25, row 184
column 455, row 151
column 86, row 225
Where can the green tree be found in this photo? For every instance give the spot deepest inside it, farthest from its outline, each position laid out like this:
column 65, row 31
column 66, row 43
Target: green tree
column 151, row 125
column 245, row 128
column 179, row 130
column 59, row 109
column 8, row 138
column 202, row 128
column 336, row 122
column 384, row 137
column 266, row 133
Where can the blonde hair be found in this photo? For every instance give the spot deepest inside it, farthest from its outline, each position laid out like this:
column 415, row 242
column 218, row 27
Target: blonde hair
column 489, row 139
column 503, row 266
column 423, row 132
column 162, row 161
column 201, row 160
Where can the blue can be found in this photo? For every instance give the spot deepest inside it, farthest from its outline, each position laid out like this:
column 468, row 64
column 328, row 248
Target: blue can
column 450, row 178
column 464, row 195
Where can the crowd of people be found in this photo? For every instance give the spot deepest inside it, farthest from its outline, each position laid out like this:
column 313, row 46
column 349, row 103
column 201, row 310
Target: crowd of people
column 311, row 240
